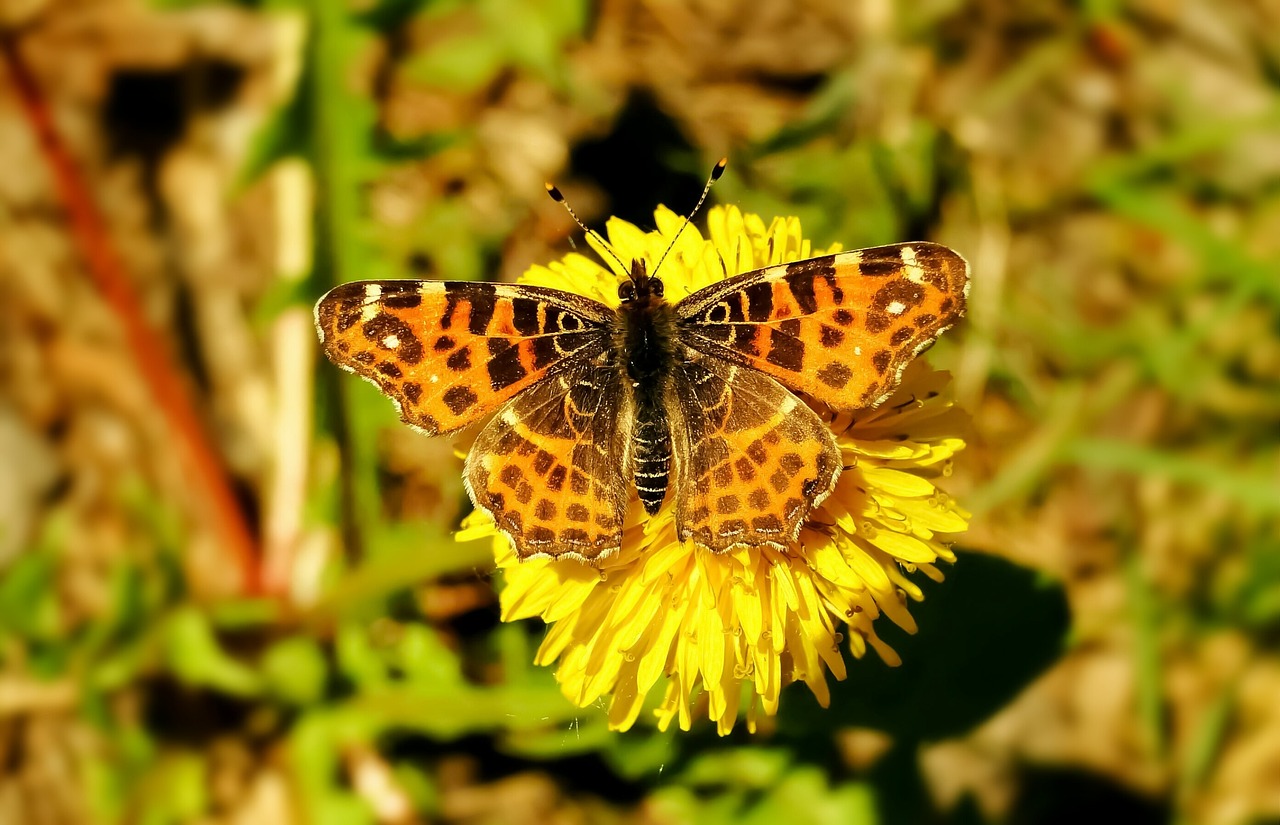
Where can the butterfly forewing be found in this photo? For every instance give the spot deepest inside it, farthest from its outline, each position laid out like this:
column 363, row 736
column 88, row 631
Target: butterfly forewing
column 451, row 352
column 840, row 327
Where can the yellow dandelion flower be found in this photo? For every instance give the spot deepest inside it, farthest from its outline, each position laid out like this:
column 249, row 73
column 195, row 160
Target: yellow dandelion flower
column 737, row 627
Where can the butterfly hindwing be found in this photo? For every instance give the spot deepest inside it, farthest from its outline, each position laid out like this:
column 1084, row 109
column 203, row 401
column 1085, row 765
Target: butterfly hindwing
column 553, row 468
column 751, row 459
column 840, row 327
column 451, row 352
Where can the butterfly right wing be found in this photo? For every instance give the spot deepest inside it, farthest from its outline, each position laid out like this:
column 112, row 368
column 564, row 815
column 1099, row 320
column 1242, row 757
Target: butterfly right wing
column 838, row 327
column 448, row 353
column 553, row 468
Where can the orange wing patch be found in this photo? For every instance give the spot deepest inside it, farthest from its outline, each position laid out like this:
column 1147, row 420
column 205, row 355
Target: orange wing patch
column 840, row 327
column 553, row 469
column 451, row 352
column 751, row 459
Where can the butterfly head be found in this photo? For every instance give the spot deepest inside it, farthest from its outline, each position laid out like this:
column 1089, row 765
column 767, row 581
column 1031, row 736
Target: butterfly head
column 640, row 287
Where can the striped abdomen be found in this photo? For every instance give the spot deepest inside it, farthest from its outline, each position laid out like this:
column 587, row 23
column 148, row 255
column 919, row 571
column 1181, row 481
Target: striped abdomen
column 652, row 455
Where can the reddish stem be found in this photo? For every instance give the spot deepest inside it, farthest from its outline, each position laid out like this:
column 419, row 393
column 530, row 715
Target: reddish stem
column 108, row 274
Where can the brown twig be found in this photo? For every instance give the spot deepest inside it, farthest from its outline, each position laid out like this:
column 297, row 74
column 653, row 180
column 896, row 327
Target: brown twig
column 108, row 273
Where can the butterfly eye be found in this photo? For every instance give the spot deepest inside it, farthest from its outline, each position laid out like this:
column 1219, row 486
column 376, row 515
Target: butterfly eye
column 655, row 286
column 626, row 291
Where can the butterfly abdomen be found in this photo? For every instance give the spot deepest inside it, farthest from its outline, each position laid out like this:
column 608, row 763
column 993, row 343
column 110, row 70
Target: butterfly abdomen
column 652, row 438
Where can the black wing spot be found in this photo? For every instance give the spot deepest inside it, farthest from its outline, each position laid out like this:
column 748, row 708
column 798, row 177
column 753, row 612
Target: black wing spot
column 785, row 352
column 460, row 399
column 459, row 361
column 835, row 375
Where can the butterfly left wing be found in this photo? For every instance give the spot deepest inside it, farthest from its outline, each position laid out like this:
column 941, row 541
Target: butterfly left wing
column 839, row 327
column 448, row 353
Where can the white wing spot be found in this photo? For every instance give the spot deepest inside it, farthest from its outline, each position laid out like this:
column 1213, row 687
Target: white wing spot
column 391, row 341
column 857, row 350
column 915, row 272
column 896, row 308
column 372, row 292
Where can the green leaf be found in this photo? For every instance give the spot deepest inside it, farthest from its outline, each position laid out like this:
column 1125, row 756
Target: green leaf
column 29, row 598
column 124, row 617
column 194, row 655
column 426, row 659
column 460, row 64
column 173, row 791
column 295, row 670
column 758, row 786
column 1252, row 488
column 587, row 732
column 1252, row 600
column 738, row 768
column 406, row 555
column 284, row 134
column 449, row 712
column 357, row 658
column 419, row 786
column 313, row 751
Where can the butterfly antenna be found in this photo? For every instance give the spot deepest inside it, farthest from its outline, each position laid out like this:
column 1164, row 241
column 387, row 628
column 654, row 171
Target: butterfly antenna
column 558, row 197
column 716, row 172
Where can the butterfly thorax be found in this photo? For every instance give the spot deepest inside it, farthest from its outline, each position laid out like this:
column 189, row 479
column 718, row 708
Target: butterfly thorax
column 644, row 343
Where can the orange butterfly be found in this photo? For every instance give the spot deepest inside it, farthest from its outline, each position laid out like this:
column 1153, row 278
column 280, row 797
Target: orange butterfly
column 693, row 398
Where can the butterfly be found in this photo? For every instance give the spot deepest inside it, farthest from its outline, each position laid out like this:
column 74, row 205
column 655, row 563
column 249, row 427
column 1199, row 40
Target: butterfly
column 693, row 400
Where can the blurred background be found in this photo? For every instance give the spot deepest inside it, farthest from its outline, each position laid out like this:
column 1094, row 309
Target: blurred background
column 229, row 591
